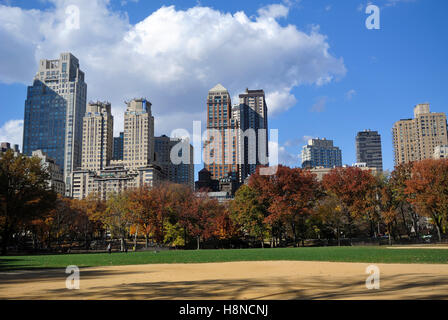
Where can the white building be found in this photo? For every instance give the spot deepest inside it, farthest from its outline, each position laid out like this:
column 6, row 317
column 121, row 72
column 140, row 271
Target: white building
column 56, row 181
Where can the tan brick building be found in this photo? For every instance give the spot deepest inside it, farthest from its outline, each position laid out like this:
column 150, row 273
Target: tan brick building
column 416, row 139
column 138, row 146
column 97, row 139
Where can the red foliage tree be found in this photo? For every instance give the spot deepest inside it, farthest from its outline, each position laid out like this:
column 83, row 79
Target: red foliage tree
column 357, row 191
column 427, row 190
column 290, row 194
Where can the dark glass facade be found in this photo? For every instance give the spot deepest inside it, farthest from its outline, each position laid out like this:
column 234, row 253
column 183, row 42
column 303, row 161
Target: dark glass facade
column 44, row 125
column 118, row 147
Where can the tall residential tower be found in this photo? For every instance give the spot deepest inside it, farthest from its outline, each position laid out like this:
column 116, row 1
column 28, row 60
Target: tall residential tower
column 138, row 134
column 252, row 118
column 368, row 149
column 221, row 147
column 98, row 130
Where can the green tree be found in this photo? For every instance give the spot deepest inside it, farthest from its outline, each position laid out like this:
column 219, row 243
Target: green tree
column 249, row 213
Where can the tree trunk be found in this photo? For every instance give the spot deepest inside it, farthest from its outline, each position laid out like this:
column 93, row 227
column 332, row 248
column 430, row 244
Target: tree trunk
column 293, row 227
column 135, row 239
column 408, row 231
column 339, row 236
column 122, row 244
column 198, row 239
column 438, row 232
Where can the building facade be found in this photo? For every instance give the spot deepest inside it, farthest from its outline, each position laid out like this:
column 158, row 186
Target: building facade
column 251, row 116
column 368, row 149
column 441, row 152
column 54, row 111
column 221, row 146
column 416, row 139
column 102, row 176
column 182, row 173
column 320, row 172
column 118, row 147
column 138, row 149
column 321, row 153
column 98, row 128
column 56, row 181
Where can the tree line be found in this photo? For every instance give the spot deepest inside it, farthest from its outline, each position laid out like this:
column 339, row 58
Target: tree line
column 286, row 208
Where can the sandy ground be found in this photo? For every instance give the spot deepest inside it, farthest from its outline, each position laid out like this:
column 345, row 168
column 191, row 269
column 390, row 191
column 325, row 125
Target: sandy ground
column 235, row 280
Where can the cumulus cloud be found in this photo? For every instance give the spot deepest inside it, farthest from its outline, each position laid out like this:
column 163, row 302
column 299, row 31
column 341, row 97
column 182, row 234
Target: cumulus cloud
column 172, row 57
column 12, row 132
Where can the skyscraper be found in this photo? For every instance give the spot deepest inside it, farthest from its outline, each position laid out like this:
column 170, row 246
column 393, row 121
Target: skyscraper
column 321, row 153
column 138, row 134
column 98, row 130
column 251, row 113
column 416, row 139
column 182, row 173
column 221, row 147
column 54, row 111
column 368, row 149
column 118, row 147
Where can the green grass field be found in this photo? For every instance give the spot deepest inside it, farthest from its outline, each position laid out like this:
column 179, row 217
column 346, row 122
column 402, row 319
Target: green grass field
column 335, row 254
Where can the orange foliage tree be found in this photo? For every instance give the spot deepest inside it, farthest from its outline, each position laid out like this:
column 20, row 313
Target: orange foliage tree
column 357, row 192
column 427, row 190
column 290, row 195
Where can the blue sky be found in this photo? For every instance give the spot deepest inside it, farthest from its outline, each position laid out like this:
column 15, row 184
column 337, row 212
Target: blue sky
column 363, row 79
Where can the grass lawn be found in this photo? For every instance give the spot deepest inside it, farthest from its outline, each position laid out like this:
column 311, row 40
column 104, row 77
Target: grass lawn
column 335, row 254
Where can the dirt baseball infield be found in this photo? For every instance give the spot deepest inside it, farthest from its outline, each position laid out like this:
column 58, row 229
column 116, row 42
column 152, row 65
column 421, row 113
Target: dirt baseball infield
column 235, row 280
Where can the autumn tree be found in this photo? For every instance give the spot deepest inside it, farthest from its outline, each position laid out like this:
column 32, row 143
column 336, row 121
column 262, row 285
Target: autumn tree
column 330, row 211
column 357, row 192
column 198, row 220
column 290, row 194
column 427, row 190
column 249, row 213
column 141, row 205
column 117, row 216
column 24, row 193
column 406, row 211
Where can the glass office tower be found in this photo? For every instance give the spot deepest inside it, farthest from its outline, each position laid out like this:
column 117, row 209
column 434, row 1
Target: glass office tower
column 54, row 111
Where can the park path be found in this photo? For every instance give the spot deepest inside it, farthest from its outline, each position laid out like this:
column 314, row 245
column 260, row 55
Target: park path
column 233, row 280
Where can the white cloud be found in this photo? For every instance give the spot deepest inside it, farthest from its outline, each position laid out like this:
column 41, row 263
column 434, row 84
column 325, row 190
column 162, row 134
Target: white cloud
column 273, row 11
column 172, row 57
column 12, row 132
column 349, row 95
column 280, row 100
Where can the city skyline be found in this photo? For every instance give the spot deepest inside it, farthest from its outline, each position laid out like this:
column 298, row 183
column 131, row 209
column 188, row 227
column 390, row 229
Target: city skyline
column 335, row 102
